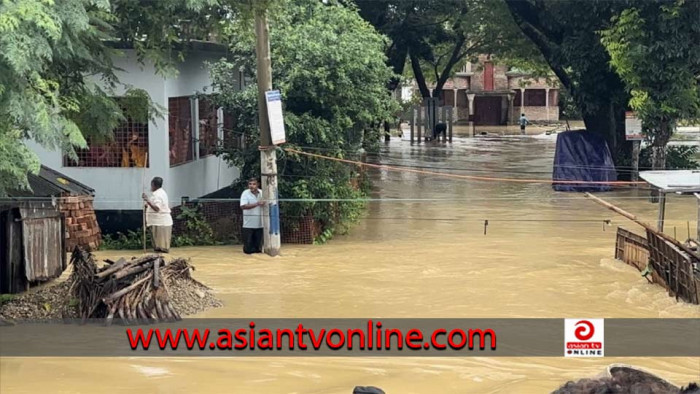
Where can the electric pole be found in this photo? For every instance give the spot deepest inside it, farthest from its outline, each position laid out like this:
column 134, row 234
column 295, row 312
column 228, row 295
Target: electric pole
column 268, row 154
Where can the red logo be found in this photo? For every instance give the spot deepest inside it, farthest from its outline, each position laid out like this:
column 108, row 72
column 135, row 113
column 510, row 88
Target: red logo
column 584, row 330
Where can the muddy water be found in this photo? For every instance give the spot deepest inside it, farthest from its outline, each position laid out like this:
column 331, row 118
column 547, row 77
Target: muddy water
column 544, row 254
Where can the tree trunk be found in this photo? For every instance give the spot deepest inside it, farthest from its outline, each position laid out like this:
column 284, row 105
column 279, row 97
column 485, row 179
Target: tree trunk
column 658, row 145
column 418, row 74
column 603, row 123
column 608, row 122
column 658, row 157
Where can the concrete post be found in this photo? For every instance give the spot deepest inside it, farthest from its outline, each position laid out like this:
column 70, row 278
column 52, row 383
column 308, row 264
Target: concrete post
column 413, row 123
column 698, row 222
column 511, row 99
column 471, row 97
column 547, row 102
column 268, row 153
column 454, row 103
column 662, row 211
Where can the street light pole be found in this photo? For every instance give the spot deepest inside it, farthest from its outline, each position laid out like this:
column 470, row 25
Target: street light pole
column 268, row 154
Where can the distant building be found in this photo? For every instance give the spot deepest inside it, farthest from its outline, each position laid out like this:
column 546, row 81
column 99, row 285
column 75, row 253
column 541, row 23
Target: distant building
column 178, row 147
column 497, row 95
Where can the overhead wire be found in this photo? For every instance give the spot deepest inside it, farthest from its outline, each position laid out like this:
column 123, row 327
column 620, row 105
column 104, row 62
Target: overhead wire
column 460, row 176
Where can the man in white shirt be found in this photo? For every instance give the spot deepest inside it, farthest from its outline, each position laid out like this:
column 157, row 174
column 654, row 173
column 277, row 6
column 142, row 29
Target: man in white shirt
column 251, row 205
column 158, row 216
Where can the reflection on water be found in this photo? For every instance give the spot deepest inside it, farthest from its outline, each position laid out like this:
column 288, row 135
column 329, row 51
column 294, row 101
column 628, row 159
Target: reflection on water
column 545, row 254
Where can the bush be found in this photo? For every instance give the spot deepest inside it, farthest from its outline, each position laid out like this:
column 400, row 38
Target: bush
column 678, row 157
column 197, row 233
column 132, row 240
column 334, row 110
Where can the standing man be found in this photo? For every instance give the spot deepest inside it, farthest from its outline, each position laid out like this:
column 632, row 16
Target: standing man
column 251, row 204
column 158, row 216
column 523, row 122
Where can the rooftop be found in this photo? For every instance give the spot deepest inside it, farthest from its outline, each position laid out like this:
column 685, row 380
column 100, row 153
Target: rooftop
column 674, row 181
column 49, row 183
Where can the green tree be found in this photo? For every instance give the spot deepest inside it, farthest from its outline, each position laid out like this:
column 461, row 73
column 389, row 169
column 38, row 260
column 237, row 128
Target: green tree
column 45, row 51
column 438, row 36
column 57, row 80
column 330, row 66
column 566, row 34
column 654, row 47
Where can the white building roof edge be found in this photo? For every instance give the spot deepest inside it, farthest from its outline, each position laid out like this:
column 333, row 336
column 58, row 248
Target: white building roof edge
column 672, row 181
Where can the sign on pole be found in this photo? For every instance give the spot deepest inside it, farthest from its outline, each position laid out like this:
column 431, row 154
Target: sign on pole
column 633, row 127
column 274, row 114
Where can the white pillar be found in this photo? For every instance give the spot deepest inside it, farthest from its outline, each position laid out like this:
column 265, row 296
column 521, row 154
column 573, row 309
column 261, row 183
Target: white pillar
column 470, row 97
column 454, row 103
column 511, row 98
column 698, row 223
column 522, row 100
column 547, row 102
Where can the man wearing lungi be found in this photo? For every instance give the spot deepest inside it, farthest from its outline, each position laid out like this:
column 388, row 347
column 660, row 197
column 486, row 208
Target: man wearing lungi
column 158, row 216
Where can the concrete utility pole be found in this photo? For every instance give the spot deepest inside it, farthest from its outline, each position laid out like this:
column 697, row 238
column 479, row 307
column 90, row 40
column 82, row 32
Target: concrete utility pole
column 268, row 154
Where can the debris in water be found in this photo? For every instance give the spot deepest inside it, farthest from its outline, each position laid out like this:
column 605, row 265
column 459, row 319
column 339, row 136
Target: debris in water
column 367, row 390
column 143, row 289
column 625, row 379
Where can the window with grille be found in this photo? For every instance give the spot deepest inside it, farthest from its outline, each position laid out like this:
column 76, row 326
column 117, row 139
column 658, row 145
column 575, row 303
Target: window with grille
column 535, row 97
column 208, row 128
column 127, row 148
column 180, row 130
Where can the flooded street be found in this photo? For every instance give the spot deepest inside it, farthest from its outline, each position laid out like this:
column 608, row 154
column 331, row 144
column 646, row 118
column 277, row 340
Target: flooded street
column 420, row 251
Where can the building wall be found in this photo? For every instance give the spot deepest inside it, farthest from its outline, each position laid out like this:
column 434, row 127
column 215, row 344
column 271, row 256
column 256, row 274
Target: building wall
column 118, row 188
column 204, row 175
column 537, row 114
column 471, row 79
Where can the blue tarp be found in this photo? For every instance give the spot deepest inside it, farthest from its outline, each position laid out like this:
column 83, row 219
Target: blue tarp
column 582, row 156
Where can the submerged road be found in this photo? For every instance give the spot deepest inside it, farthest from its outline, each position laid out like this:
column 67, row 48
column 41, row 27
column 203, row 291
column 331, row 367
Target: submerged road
column 545, row 254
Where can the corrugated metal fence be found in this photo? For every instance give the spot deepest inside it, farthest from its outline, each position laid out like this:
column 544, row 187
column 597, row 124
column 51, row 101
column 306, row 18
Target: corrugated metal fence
column 32, row 237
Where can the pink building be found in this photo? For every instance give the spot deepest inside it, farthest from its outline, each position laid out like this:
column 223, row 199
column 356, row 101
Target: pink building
column 491, row 94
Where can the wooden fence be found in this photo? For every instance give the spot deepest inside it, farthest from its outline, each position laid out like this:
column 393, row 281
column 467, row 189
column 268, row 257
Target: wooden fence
column 32, row 244
column 674, row 269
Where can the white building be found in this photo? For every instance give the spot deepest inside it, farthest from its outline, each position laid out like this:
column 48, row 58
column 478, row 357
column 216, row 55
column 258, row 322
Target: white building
column 179, row 145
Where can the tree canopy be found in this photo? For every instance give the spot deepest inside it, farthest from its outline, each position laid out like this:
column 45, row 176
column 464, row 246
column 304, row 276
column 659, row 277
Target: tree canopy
column 654, row 48
column 438, row 36
column 330, row 66
column 566, row 34
column 57, row 80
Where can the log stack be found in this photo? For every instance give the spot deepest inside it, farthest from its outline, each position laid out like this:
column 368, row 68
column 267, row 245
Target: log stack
column 81, row 223
column 135, row 290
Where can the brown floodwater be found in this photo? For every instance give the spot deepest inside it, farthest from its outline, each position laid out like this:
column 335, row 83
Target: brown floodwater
column 545, row 254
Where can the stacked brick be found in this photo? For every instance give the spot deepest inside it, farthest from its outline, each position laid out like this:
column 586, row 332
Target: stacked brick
column 81, row 223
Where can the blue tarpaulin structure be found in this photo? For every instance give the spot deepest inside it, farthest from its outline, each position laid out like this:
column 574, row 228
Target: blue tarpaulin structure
column 582, row 156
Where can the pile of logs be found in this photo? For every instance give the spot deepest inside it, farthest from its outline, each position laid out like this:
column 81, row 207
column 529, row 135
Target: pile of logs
column 134, row 290
column 81, row 223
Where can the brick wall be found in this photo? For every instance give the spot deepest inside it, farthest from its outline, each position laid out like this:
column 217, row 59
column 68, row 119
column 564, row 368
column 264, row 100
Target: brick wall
column 537, row 114
column 459, row 82
column 81, row 223
column 500, row 80
column 516, row 83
